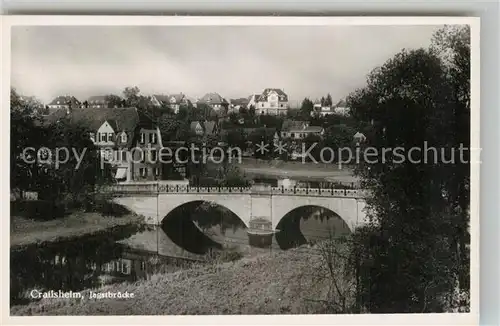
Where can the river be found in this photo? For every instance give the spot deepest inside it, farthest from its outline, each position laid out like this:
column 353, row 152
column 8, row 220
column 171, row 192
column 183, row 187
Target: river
column 188, row 235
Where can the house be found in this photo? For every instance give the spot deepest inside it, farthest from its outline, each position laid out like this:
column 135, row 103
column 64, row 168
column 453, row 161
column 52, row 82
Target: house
column 237, row 104
column 205, row 128
column 359, row 138
column 214, row 100
column 321, row 110
column 64, row 102
column 99, row 101
column 252, row 100
column 272, row 101
column 341, row 108
column 174, row 101
column 158, row 100
column 293, row 129
column 292, row 124
column 127, row 140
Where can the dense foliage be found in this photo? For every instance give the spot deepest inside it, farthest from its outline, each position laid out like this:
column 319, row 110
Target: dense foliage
column 414, row 253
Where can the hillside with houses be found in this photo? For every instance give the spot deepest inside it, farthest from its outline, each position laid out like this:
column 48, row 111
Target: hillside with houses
column 120, row 123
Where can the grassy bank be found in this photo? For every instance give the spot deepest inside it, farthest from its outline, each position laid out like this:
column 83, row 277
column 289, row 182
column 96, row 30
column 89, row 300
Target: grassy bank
column 25, row 231
column 274, row 283
column 299, row 170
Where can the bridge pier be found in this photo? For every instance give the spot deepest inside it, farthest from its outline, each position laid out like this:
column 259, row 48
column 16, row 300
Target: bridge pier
column 260, row 208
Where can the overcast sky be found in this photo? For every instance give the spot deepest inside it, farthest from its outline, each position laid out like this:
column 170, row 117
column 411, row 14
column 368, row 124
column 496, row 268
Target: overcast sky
column 234, row 61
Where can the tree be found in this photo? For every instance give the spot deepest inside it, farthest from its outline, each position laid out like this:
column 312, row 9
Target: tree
column 339, row 136
column 406, row 264
column 261, row 136
column 316, row 143
column 202, row 112
column 236, row 138
column 25, row 132
column 113, row 101
column 251, row 111
column 306, row 108
column 168, row 126
column 452, row 45
column 130, row 93
column 271, row 121
column 71, row 178
column 328, row 100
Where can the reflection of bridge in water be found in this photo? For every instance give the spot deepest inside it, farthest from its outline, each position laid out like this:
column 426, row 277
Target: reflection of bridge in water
column 260, row 208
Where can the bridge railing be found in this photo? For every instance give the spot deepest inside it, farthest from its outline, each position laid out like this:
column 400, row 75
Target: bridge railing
column 155, row 188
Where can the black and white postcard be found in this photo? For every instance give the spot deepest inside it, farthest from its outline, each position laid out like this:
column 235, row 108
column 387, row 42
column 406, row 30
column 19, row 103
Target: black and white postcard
column 319, row 170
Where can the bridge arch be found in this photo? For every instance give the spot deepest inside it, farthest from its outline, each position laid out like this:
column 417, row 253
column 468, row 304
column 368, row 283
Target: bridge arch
column 205, row 208
column 350, row 210
column 308, row 224
column 191, row 226
column 239, row 205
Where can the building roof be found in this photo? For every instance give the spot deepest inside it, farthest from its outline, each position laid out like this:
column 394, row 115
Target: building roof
column 209, row 127
column 212, row 98
column 268, row 131
column 193, row 125
column 341, row 103
column 311, row 129
column 359, row 135
column 62, row 100
column 293, row 124
column 124, row 119
column 240, row 101
column 97, row 99
column 167, row 99
column 177, row 97
column 281, row 94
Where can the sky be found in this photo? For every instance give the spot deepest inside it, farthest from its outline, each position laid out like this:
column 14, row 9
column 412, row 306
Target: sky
column 234, row 61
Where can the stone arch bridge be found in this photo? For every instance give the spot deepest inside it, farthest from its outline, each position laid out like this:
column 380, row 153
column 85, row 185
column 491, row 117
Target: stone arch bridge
column 155, row 201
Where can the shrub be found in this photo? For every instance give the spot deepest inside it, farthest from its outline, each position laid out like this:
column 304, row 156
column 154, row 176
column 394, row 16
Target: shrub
column 38, row 209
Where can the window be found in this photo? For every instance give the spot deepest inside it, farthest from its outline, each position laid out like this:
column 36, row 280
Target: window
column 143, row 138
column 156, row 171
column 110, row 136
column 152, row 138
column 143, row 172
column 293, row 135
column 153, row 155
column 281, row 105
column 104, row 137
column 124, row 267
column 143, row 265
column 124, row 137
column 262, row 105
column 124, row 155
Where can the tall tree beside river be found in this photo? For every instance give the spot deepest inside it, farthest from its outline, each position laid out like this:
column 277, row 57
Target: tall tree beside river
column 409, row 261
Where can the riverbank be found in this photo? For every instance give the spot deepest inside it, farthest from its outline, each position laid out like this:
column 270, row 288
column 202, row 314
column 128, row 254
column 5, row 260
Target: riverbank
column 297, row 170
column 25, row 231
column 273, row 283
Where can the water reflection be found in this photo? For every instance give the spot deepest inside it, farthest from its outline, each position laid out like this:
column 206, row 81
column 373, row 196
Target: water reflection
column 134, row 253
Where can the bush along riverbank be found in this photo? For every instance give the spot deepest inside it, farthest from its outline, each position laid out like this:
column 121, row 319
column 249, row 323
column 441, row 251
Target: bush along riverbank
column 27, row 232
column 35, row 222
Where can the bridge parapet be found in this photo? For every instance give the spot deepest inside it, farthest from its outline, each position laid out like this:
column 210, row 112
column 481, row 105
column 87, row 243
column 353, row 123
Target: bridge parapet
column 157, row 188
